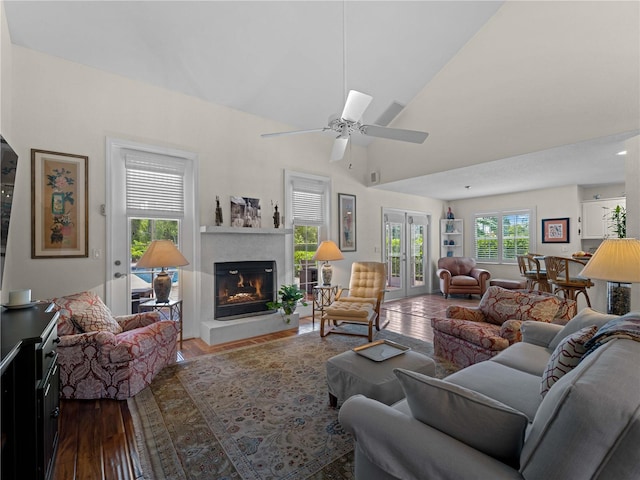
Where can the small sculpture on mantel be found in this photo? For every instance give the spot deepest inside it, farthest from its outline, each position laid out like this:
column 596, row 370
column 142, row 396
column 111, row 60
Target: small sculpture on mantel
column 276, row 216
column 218, row 212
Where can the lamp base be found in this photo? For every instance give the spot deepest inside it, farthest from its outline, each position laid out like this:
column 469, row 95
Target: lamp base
column 162, row 287
column 327, row 274
column 618, row 298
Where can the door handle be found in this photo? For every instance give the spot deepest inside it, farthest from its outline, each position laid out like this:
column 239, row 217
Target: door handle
column 119, row 275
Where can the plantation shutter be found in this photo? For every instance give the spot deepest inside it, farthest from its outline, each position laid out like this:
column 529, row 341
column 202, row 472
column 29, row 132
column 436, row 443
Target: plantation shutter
column 486, row 237
column 155, row 188
column 308, row 200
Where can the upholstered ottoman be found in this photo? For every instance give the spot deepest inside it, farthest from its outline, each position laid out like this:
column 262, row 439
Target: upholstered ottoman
column 350, row 373
column 508, row 283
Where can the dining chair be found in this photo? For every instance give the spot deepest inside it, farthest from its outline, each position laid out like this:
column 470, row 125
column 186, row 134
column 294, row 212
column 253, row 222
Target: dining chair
column 560, row 276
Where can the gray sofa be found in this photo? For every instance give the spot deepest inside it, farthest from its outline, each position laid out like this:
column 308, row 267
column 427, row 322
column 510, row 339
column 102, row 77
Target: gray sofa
column 587, row 426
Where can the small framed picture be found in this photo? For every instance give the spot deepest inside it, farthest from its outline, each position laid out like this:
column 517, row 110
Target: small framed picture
column 347, row 222
column 555, row 230
column 59, row 198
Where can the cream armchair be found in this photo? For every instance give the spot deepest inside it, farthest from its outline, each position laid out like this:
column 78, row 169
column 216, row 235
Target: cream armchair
column 362, row 305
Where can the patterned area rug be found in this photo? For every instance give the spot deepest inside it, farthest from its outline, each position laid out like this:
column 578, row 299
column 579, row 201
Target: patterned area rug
column 256, row 413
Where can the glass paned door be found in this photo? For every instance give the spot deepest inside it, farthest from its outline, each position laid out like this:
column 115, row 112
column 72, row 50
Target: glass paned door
column 405, row 239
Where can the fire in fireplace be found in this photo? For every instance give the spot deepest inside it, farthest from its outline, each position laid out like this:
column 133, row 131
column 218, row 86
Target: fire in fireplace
column 243, row 288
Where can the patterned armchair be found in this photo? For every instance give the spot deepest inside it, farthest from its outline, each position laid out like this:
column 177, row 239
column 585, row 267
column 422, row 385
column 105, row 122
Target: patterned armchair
column 101, row 356
column 470, row 335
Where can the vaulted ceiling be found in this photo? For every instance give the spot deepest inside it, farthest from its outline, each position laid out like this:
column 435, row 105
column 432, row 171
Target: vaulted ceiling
column 502, row 87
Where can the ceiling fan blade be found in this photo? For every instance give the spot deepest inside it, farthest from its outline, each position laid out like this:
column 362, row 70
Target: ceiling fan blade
column 339, row 147
column 412, row 136
column 357, row 103
column 294, row 132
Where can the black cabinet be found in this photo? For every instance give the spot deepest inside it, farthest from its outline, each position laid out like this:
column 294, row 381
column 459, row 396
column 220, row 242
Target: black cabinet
column 30, row 392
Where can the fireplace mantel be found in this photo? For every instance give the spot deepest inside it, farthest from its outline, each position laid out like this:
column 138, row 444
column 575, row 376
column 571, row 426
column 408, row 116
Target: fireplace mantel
column 245, row 230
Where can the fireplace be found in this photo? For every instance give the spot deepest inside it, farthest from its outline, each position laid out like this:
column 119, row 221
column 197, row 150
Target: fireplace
column 243, row 288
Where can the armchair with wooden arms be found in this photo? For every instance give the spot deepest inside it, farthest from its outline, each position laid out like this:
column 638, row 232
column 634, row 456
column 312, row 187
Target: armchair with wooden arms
column 362, row 305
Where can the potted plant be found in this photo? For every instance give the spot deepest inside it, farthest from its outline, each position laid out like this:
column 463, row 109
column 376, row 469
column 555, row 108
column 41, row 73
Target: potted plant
column 288, row 298
column 619, row 221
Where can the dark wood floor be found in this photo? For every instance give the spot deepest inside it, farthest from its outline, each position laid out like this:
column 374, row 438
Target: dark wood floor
column 97, row 439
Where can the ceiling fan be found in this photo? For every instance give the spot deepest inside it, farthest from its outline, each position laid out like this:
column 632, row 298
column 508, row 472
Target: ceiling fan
column 349, row 123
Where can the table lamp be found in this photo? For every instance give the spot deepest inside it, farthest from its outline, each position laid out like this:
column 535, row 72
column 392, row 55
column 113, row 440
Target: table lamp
column 162, row 253
column 327, row 251
column 617, row 260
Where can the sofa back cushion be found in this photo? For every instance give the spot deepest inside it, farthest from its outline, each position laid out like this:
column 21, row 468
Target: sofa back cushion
column 499, row 305
column 585, row 318
column 593, row 411
column 457, row 265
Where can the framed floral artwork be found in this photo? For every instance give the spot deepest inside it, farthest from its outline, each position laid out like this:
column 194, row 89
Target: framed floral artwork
column 555, row 230
column 347, row 222
column 59, row 198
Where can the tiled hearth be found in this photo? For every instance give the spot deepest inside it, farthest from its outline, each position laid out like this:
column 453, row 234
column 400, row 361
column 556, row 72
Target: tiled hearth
column 229, row 244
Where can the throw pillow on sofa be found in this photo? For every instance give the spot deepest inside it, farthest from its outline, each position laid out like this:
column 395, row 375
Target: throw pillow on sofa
column 566, row 357
column 499, row 304
column 86, row 312
column 585, row 318
column 472, row 418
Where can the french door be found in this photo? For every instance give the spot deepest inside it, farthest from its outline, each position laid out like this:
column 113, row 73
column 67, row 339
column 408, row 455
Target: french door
column 406, row 253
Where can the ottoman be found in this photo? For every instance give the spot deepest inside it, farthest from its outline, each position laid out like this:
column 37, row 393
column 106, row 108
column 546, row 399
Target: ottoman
column 508, row 283
column 350, row 373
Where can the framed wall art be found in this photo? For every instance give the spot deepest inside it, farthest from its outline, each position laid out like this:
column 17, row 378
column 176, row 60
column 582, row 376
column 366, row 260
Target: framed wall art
column 59, row 198
column 555, row 230
column 246, row 212
column 347, row 222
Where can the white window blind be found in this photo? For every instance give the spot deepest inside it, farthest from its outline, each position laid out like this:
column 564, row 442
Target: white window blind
column 308, row 201
column 155, row 188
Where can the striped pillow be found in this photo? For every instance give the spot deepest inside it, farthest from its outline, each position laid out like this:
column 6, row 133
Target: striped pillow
column 565, row 357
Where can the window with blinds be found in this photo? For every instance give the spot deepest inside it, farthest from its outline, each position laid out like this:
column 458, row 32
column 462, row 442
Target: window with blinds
column 308, row 201
column 502, row 236
column 154, row 188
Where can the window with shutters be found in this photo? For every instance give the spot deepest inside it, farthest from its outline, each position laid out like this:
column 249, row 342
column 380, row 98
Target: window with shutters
column 499, row 237
column 308, row 203
column 155, row 208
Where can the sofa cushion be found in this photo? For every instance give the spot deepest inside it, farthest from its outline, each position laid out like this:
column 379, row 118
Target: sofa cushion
column 585, row 318
column 499, row 304
column 475, row 419
column 486, row 335
column 566, row 356
column 524, row 357
column 79, row 312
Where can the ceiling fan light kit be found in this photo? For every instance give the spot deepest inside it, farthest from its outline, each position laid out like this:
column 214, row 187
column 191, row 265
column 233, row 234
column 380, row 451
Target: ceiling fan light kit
column 348, row 124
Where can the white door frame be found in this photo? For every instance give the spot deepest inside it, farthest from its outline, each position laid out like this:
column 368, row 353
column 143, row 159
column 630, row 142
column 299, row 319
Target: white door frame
column 117, row 232
column 405, row 217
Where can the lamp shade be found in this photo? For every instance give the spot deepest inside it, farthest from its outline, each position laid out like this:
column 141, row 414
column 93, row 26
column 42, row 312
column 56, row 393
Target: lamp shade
column 615, row 260
column 162, row 253
column 328, row 251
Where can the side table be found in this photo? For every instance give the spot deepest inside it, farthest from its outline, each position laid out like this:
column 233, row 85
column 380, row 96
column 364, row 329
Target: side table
column 323, row 296
column 171, row 310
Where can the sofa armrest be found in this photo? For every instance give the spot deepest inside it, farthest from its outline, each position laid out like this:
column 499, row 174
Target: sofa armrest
column 482, row 276
column 512, row 331
column 137, row 320
column 409, row 449
column 444, row 274
column 539, row 333
column 473, row 314
column 140, row 342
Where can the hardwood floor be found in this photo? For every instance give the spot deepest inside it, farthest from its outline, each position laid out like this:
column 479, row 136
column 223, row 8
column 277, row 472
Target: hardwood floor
column 97, row 439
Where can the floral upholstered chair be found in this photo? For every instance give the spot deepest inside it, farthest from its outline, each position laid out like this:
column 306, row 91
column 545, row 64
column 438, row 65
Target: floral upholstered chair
column 101, row 356
column 470, row 335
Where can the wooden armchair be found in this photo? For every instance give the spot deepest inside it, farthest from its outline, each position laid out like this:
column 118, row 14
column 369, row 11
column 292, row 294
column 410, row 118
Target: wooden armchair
column 562, row 273
column 362, row 305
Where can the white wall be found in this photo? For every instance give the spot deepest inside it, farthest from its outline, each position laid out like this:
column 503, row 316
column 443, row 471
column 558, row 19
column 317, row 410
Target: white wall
column 65, row 107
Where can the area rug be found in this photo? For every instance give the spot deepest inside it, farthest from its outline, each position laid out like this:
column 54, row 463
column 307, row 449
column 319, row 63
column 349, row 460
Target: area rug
column 255, row 413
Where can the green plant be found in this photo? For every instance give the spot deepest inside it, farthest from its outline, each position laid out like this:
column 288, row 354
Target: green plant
column 618, row 218
column 288, row 298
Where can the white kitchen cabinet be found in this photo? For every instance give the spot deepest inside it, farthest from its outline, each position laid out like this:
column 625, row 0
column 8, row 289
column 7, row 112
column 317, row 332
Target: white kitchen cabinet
column 596, row 223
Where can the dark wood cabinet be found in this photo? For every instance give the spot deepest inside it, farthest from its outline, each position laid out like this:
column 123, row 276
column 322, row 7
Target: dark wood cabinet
column 30, row 392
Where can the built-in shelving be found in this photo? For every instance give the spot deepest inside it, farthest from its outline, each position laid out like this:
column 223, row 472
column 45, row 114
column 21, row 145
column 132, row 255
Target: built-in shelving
column 451, row 238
